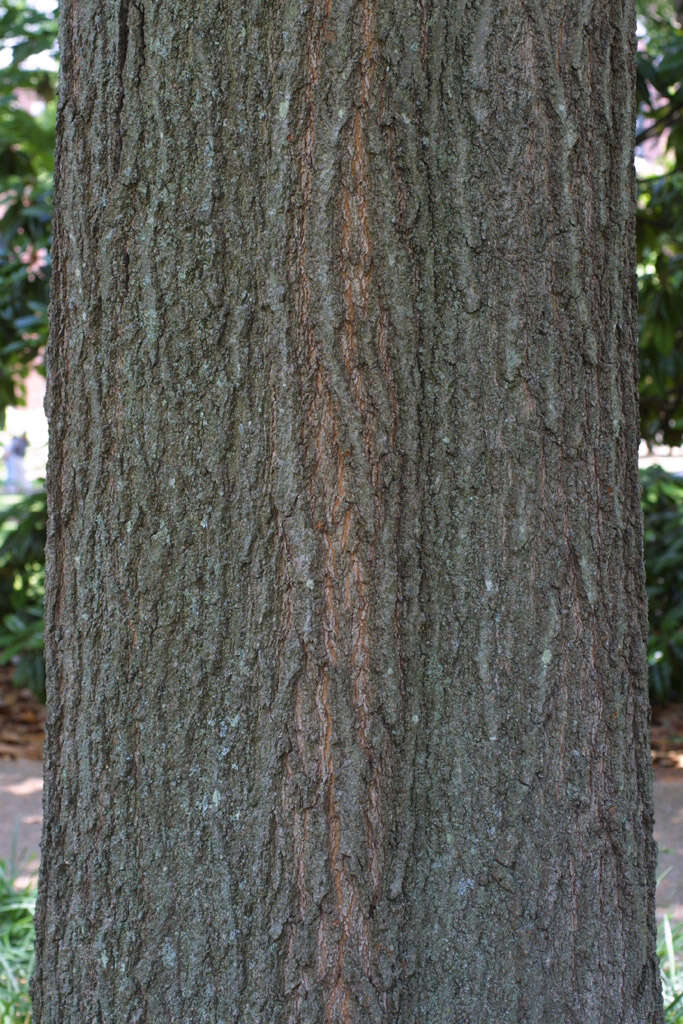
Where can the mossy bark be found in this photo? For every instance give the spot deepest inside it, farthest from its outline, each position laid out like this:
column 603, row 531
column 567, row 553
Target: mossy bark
column 345, row 622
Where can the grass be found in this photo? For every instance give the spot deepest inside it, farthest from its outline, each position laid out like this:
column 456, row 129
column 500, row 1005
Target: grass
column 670, row 952
column 17, row 908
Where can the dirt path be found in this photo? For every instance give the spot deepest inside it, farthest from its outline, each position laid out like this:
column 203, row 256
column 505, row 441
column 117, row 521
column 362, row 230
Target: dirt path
column 669, row 837
column 21, row 790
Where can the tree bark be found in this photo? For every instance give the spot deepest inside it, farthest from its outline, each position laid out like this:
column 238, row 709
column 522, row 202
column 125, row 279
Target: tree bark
column 346, row 621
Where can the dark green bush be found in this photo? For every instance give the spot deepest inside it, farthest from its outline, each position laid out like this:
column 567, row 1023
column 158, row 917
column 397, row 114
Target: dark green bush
column 662, row 498
column 22, row 587
column 26, row 161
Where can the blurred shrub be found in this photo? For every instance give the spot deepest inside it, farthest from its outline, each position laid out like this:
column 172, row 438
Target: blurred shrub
column 27, row 134
column 659, row 140
column 22, row 588
column 28, row 103
column 662, row 499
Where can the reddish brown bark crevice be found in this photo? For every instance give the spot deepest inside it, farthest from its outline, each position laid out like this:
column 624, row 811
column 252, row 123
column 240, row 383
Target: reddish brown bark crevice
column 347, row 555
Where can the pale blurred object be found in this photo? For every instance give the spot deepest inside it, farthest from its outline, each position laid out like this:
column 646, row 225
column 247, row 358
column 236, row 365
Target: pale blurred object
column 14, row 460
column 14, row 455
column 30, row 419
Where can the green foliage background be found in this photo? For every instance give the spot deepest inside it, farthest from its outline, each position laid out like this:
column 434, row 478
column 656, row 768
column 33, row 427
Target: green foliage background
column 27, row 138
column 662, row 498
column 26, row 164
column 659, row 138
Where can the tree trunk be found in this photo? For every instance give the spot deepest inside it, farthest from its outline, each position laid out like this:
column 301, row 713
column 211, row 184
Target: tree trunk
column 346, row 622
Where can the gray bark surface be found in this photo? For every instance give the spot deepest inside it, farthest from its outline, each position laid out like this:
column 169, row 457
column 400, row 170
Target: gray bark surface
column 347, row 688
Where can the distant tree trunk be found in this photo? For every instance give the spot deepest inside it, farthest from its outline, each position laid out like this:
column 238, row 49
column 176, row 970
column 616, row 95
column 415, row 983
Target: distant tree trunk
column 348, row 707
